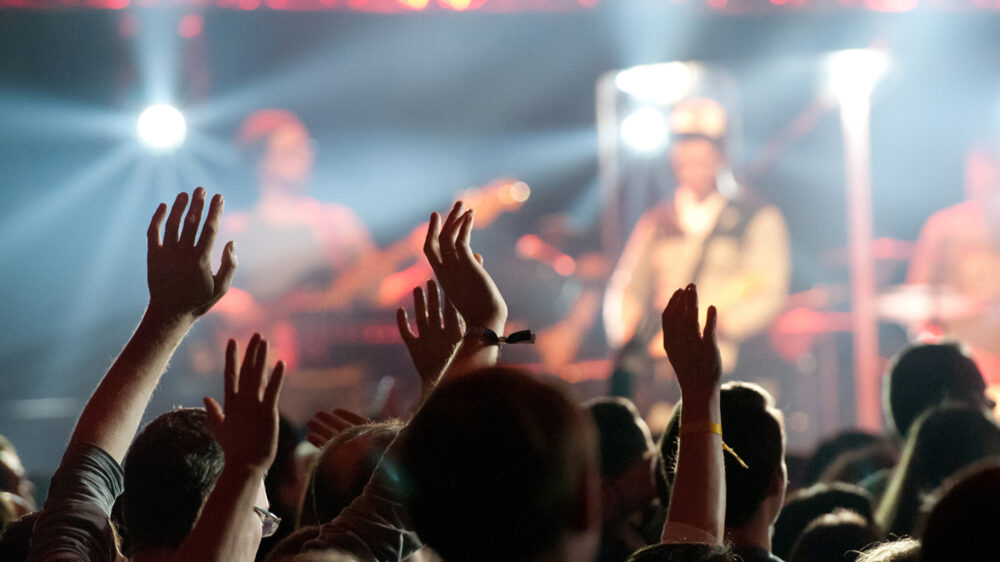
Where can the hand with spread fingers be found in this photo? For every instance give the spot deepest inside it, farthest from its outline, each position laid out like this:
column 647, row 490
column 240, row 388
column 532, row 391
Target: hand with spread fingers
column 181, row 288
column 438, row 336
column 247, row 426
column 461, row 272
column 324, row 426
column 693, row 354
column 179, row 273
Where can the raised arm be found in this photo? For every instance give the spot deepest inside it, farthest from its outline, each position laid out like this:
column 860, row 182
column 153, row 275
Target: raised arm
column 468, row 286
column 698, row 502
column 247, row 431
column 437, row 339
column 182, row 287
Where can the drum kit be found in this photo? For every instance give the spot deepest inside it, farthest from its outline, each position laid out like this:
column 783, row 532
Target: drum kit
column 926, row 312
column 911, row 306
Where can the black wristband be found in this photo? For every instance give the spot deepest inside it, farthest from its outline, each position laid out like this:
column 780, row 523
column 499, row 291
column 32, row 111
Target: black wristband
column 491, row 338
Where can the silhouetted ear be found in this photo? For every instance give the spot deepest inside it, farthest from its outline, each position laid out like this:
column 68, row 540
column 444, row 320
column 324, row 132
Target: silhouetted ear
column 779, row 481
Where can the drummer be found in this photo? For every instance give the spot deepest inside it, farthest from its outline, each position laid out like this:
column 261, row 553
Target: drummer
column 958, row 253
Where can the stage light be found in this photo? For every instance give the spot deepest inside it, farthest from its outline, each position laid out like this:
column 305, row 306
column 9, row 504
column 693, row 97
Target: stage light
column 663, row 84
column 853, row 74
column 520, row 192
column 162, row 127
column 645, row 130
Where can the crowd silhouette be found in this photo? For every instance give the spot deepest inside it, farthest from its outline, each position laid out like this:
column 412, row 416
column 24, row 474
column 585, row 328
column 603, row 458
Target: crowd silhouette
column 492, row 463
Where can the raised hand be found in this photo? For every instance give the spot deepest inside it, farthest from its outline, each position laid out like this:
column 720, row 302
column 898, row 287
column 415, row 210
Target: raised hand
column 699, row 497
column 179, row 273
column 461, row 272
column 324, row 426
column 440, row 335
column 693, row 354
column 247, row 427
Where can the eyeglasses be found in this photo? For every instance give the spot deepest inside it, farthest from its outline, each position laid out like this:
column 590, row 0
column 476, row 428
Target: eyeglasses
column 268, row 521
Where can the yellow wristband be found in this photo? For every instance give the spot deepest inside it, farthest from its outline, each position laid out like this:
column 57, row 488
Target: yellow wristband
column 701, row 427
column 709, row 427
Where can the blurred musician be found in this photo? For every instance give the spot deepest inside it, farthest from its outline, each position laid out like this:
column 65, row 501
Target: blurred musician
column 290, row 244
column 737, row 252
column 957, row 261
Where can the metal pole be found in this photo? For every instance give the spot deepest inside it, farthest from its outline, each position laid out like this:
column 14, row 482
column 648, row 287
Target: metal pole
column 854, row 117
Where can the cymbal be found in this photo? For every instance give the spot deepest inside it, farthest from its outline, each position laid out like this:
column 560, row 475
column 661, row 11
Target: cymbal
column 910, row 304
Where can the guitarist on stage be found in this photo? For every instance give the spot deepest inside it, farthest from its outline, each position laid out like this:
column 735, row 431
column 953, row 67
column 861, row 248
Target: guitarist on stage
column 736, row 252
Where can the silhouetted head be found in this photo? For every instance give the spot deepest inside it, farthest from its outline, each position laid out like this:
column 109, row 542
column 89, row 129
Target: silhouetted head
column 169, row 471
column 626, row 449
column 965, row 517
column 343, row 468
column 500, row 466
column 752, row 426
column 830, row 449
column 835, row 537
column 925, row 375
column 804, row 506
column 941, row 442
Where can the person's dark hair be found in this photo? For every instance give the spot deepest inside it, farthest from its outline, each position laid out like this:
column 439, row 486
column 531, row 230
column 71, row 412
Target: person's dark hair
column 623, row 435
column 804, row 506
column 941, row 442
column 751, row 425
column 281, row 477
column 899, row 550
column 498, row 466
column 341, row 472
column 835, row 537
column 925, row 375
column 169, row 470
column 964, row 517
column 829, row 450
column 15, row 540
column 683, row 552
column 856, row 466
column 666, row 462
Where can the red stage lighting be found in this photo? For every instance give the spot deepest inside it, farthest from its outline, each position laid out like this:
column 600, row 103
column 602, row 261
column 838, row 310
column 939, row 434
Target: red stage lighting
column 190, row 26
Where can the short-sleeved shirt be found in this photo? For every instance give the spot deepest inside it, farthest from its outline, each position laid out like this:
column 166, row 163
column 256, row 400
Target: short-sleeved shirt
column 75, row 523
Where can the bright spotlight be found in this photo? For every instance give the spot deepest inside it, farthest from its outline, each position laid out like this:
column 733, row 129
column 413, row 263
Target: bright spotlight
column 162, row 127
column 645, row 130
column 854, row 73
column 663, row 84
